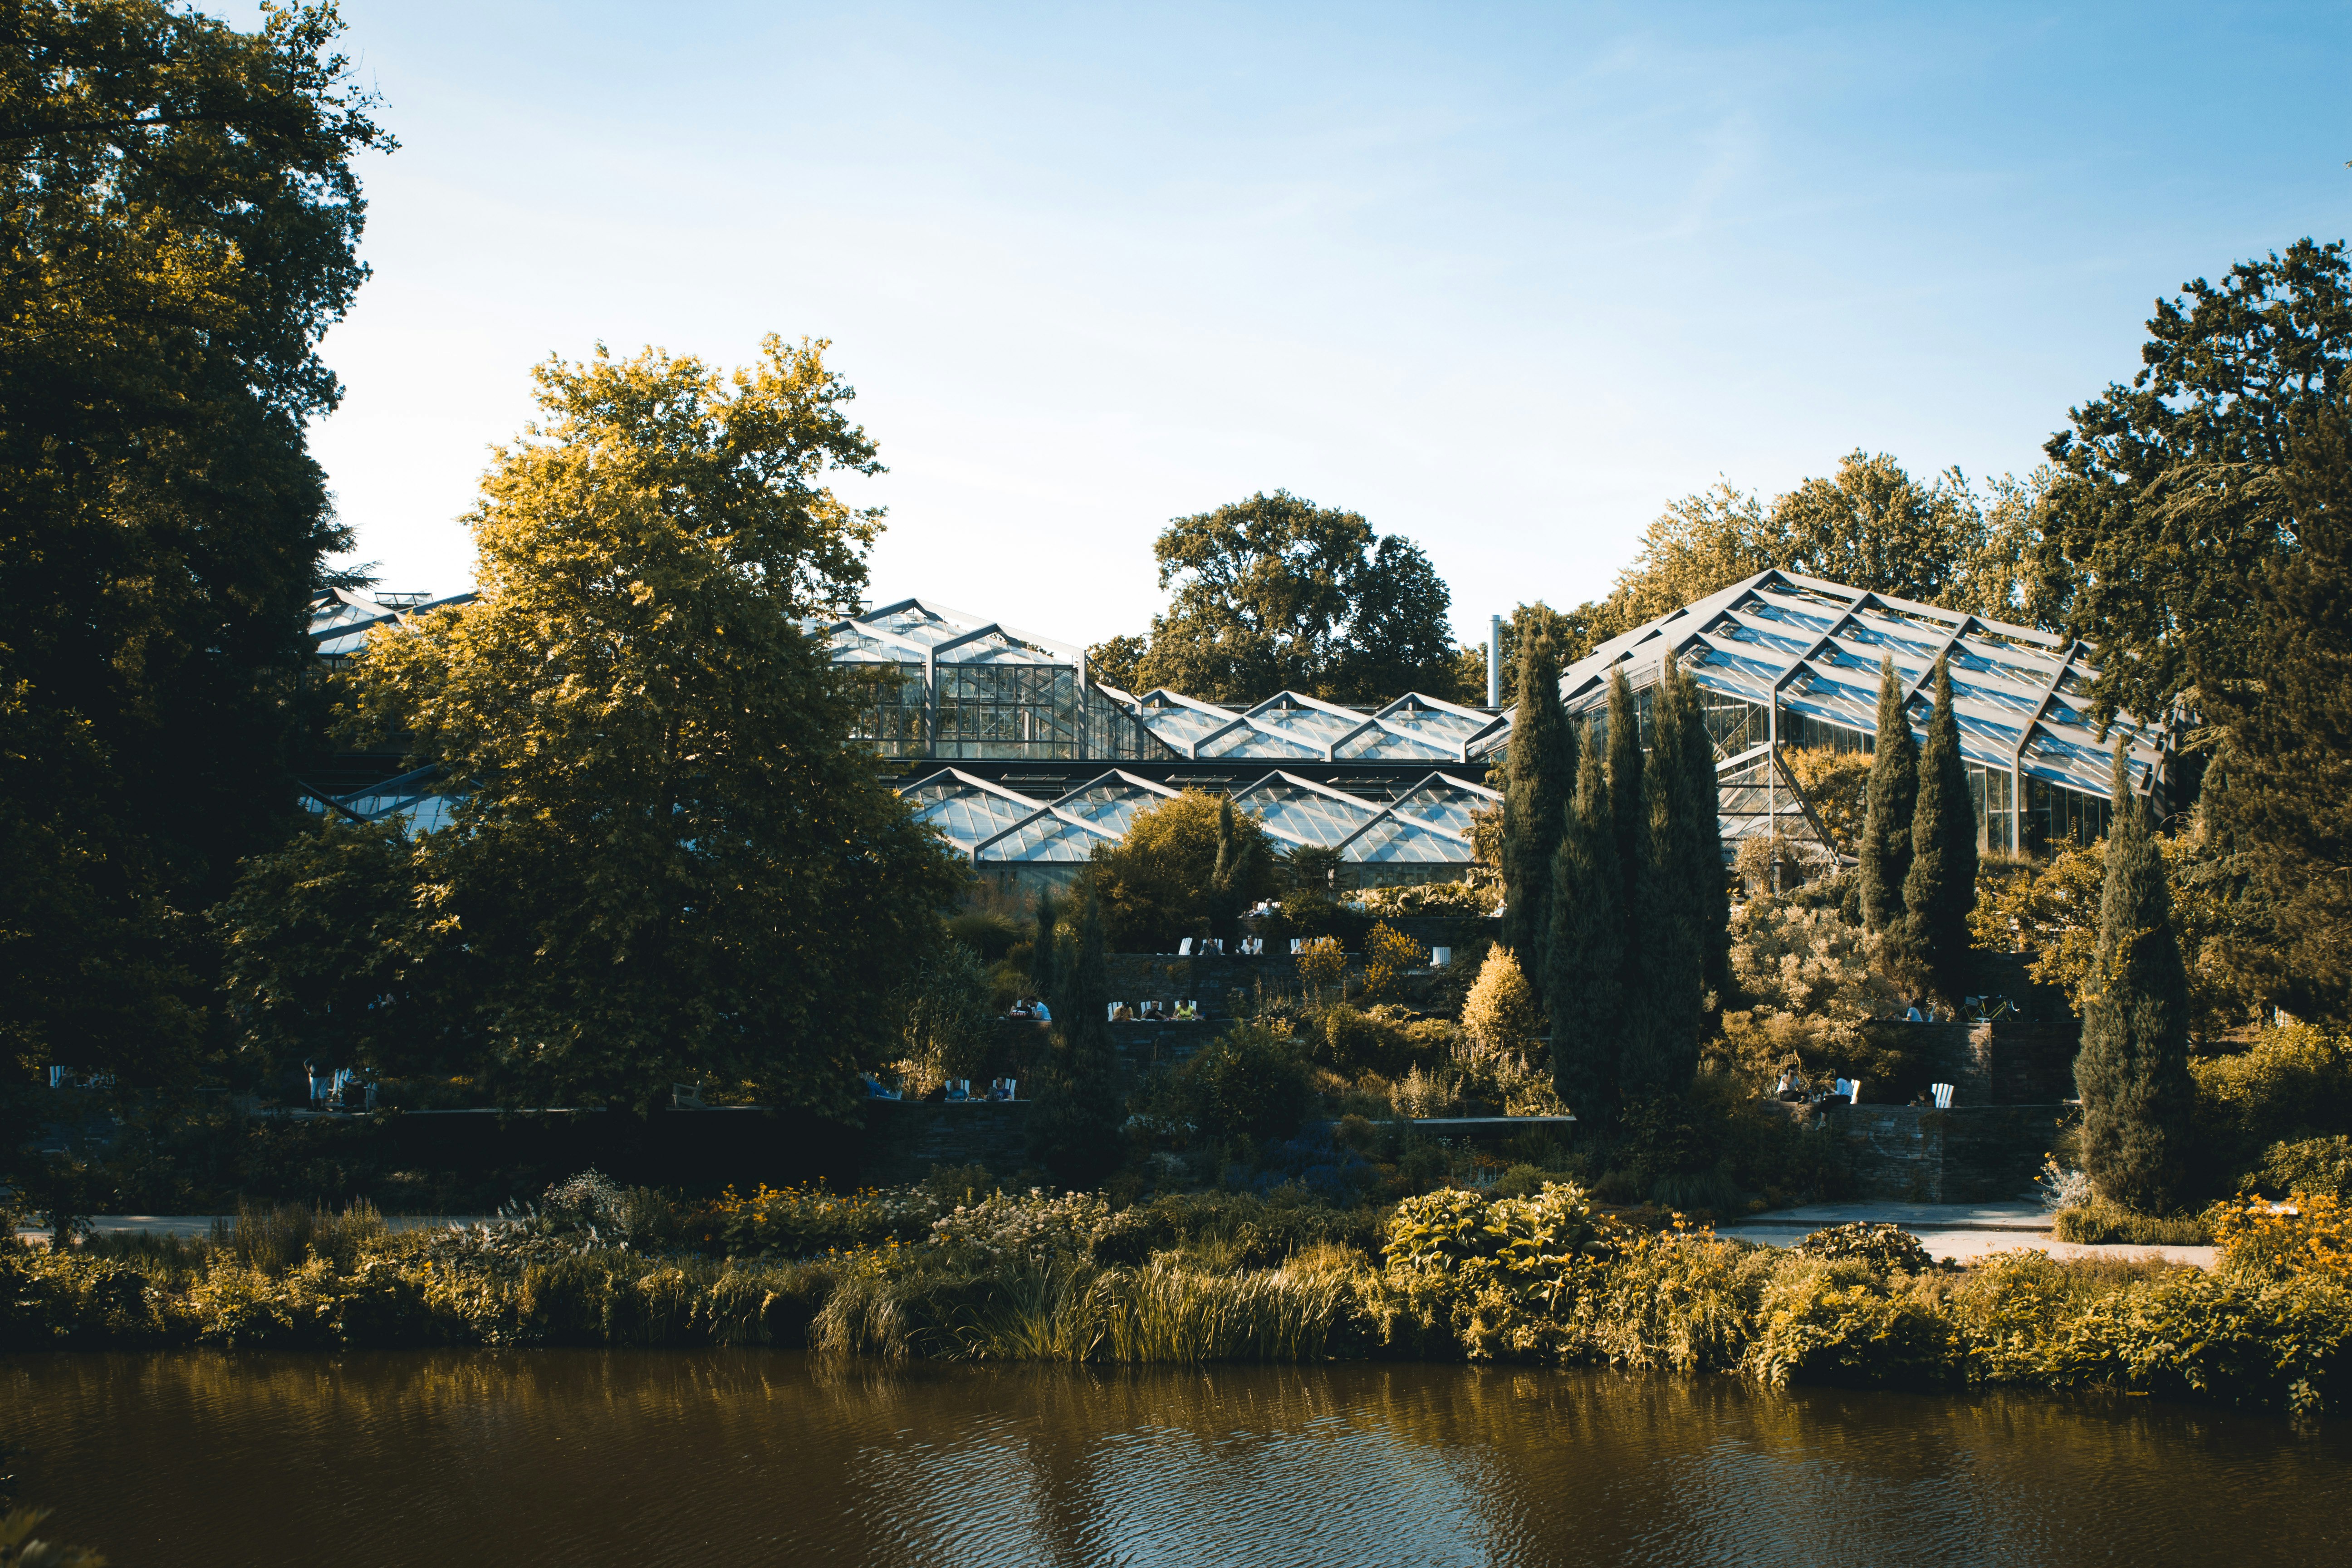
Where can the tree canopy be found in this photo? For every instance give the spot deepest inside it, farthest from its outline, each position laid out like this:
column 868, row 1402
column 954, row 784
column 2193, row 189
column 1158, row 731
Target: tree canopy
column 179, row 222
column 2168, row 507
column 1278, row 594
column 2283, row 795
column 1185, row 864
column 664, row 863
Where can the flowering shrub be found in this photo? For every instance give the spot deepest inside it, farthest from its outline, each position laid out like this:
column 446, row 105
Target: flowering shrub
column 1033, row 1226
column 2061, row 1188
column 2309, row 1235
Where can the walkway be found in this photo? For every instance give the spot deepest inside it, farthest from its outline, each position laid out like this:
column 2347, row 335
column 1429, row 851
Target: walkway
column 1956, row 1233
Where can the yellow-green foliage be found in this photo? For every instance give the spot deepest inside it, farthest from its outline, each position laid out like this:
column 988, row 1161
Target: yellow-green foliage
column 1807, row 982
column 1428, row 898
column 1322, row 963
column 1834, row 784
column 1500, row 1013
column 2293, row 1077
column 1156, row 885
column 1837, row 1321
column 2308, row 1236
column 2053, row 912
column 1537, row 1277
column 1388, row 954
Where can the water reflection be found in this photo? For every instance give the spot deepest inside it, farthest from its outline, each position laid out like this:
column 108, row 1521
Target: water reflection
column 586, row 1458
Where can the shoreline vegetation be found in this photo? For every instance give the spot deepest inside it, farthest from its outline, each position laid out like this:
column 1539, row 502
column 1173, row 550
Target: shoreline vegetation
column 947, row 1270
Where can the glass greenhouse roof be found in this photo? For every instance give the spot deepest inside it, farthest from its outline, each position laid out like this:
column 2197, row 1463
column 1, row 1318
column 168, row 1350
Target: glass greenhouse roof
column 1445, row 803
column 341, row 618
column 968, row 810
column 1292, row 727
column 1305, row 813
column 995, row 825
column 1810, row 651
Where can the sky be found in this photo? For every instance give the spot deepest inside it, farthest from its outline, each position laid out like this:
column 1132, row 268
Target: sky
column 1503, row 279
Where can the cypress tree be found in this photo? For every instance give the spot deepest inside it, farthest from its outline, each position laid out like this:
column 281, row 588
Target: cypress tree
column 1539, row 775
column 1239, row 868
column 1041, row 960
column 1074, row 1127
column 1625, row 808
column 1886, row 848
column 1587, row 956
column 1940, row 889
column 1702, row 843
column 2133, row 1070
column 1661, row 1000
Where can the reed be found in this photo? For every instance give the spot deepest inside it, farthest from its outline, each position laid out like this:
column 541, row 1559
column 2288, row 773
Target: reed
column 277, row 1239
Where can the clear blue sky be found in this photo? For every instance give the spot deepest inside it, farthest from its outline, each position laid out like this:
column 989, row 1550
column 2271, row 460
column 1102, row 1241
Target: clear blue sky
column 1505, row 278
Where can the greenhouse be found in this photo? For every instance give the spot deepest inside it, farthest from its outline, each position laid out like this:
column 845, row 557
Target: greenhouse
column 1003, row 739
column 1785, row 662
column 1017, row 839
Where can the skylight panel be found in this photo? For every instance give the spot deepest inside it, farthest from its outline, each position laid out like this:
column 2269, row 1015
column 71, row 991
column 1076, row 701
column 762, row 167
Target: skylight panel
column 1379, row 745
column 1391, row 840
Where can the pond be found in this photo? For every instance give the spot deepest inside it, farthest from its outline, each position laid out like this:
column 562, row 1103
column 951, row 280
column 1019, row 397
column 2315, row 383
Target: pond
column 718, row 1458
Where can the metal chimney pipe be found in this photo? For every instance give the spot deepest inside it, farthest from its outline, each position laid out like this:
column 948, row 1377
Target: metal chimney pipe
column 1494, row 661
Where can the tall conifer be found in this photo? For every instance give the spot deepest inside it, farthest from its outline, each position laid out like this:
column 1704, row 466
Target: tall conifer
column 1586, row 978
column 1539, row 776
column 1940, row 889
column 1709, row 891
column 1625, row 809
column 1886, row 848
column 1041, row 958
column 1662, row 1003
column 2132, row 1069
column 1073, row 1128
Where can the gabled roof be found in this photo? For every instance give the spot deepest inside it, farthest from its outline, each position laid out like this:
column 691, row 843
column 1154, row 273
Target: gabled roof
column 923, row 631
column 1291, row 726
column 968, row 809
column 1300, row 811
column 341, row 618
column 2020, row 695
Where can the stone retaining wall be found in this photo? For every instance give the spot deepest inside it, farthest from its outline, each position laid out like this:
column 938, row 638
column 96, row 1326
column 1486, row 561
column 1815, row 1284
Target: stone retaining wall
column 1912, row 1153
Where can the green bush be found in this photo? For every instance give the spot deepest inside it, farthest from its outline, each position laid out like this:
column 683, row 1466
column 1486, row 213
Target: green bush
column 1879, row 1247
column 2308, row 1165
column 1428, row 898
column 991, row 933
column 2101, row 1221
column 1251, row 1081
column 1386, row 1039
column 1841, row 1322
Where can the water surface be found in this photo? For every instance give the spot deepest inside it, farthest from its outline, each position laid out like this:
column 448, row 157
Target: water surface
column 584, row 1457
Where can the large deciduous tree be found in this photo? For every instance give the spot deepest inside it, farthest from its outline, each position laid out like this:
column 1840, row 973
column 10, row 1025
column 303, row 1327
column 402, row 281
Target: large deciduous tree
column 1278, row 594
column 1538, row 778
column 179, row 222
column 2168, row 508
column 2283, row 800
column 1186, row 863
column 664, row 863
column 2132, row 1069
